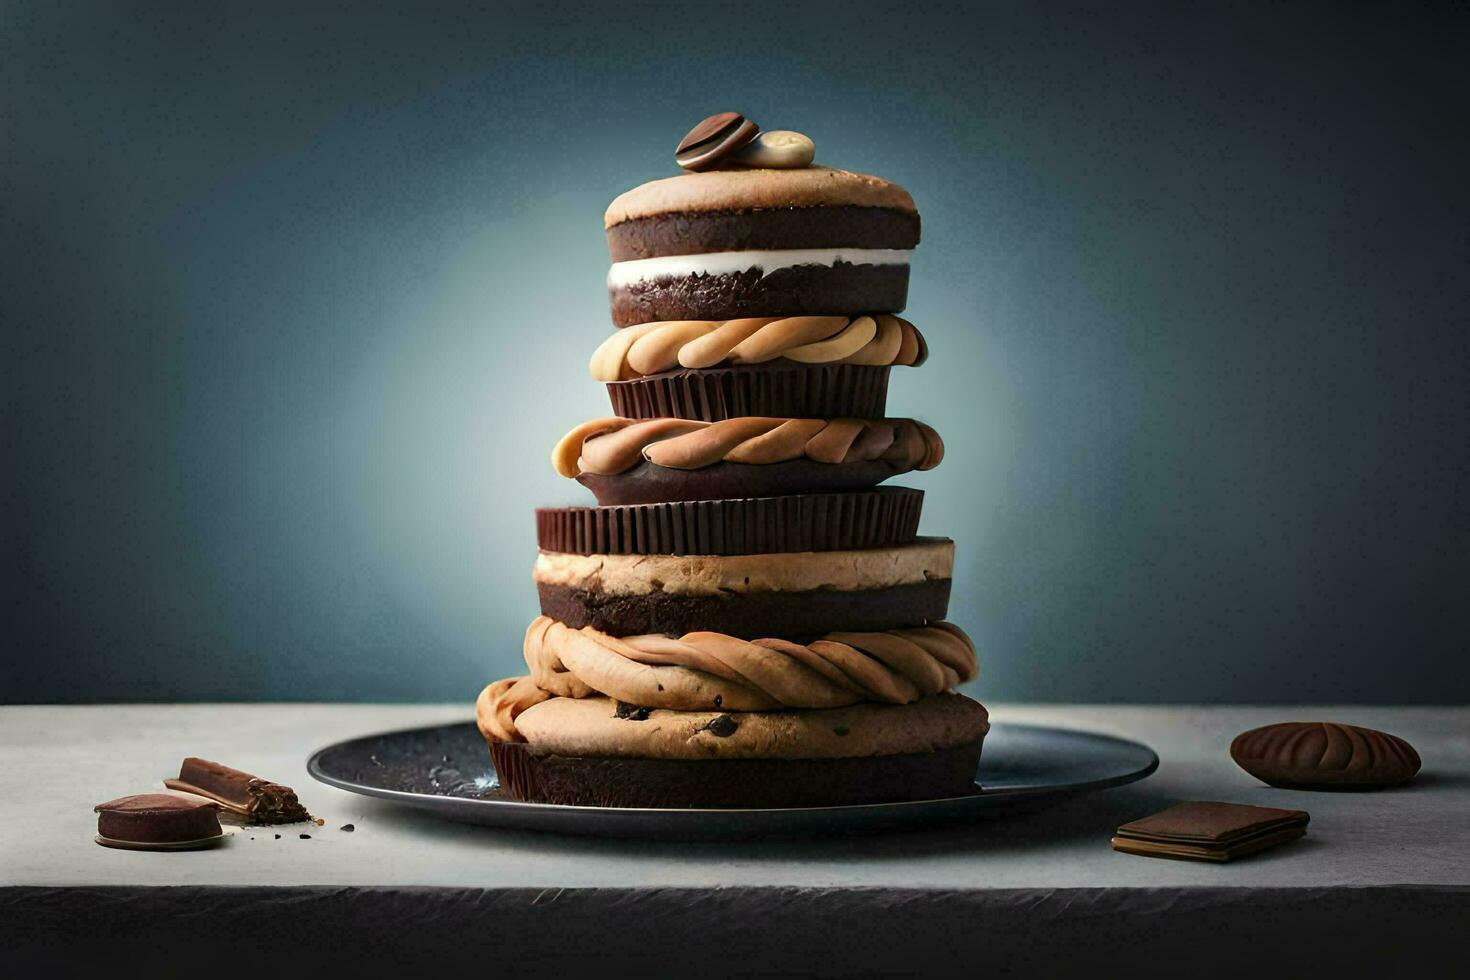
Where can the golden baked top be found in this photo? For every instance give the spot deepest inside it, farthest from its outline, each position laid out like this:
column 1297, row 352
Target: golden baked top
column 750, row 190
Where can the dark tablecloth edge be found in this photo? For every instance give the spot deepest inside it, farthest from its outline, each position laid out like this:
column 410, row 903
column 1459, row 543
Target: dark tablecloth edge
column 531, row 932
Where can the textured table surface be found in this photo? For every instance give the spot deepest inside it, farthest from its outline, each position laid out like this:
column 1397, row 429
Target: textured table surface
column 56, row 762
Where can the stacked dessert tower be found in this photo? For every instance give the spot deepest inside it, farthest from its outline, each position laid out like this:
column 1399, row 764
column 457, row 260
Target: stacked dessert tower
column 746, row 619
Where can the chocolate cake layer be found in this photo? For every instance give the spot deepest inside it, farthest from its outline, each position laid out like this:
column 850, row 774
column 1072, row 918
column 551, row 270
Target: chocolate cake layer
column 797, row 616
column 751, row 526
column 816, row 290
column 778, row 389
column 648, row 483
column 622, row 782
column 684, row 233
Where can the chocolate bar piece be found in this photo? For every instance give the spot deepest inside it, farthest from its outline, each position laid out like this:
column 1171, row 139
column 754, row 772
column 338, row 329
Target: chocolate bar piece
column 1210, row 831
column 257, row 800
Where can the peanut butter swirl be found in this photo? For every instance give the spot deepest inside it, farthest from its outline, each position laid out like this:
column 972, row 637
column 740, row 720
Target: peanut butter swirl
column 664, row 345
column 612, row 445
column 709, row 671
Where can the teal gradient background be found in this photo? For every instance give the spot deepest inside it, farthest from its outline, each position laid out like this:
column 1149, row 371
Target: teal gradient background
column 297, row 299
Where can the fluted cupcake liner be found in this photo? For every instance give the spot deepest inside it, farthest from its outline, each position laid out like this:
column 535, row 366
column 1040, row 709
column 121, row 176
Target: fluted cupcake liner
column 749, row 526
column 789, row 390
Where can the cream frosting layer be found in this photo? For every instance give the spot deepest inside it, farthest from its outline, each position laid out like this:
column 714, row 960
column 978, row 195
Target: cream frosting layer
column 766, row 260
column 922, row 560
column 612, row 445
column 651, row 348
column 703, row 670
column 751, row 190
column 501, row 703
column 593, row 727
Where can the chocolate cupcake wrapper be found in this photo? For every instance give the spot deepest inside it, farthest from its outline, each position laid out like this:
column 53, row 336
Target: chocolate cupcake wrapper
column 751, row 526
column 782, row 390
column 635, row 782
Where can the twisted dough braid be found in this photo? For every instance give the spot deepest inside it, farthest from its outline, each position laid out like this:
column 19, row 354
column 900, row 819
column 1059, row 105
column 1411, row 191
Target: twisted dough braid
column 612, row 445
column 705, row 671
column 650, row 348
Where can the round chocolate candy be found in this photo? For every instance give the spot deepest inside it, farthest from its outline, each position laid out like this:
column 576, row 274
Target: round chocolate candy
column 714, row 139
column 1324, row 755
column 158, row 822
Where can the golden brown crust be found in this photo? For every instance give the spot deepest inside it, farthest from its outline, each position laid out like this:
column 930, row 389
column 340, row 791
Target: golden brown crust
column 592, row 727
column 748, row 190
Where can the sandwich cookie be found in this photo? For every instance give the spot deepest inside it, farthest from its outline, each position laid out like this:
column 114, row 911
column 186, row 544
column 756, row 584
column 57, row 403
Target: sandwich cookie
column 759, row 242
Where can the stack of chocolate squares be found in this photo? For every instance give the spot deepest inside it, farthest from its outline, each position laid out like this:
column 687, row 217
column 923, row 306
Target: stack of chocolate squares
column 746, row 618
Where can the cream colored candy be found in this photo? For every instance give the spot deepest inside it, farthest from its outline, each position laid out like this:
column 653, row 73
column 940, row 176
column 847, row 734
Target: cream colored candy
column 779, row 149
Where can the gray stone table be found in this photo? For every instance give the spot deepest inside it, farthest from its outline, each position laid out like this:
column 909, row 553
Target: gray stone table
column 1382, row 879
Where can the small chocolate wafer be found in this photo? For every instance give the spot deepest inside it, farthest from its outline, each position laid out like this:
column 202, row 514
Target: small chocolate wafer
column 1202, row 831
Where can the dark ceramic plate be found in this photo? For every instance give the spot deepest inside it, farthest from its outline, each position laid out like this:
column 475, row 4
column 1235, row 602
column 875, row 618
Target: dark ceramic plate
column 446, row 770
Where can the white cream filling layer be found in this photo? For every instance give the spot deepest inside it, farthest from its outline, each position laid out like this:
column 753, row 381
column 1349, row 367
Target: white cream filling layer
column 724, row 263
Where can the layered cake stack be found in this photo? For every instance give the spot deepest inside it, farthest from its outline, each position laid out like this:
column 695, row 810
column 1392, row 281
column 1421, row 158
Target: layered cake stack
column 746, row 618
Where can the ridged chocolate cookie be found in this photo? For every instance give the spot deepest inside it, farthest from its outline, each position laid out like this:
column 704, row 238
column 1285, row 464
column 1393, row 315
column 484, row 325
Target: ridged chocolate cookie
column 1324, row 755
column 757, row 525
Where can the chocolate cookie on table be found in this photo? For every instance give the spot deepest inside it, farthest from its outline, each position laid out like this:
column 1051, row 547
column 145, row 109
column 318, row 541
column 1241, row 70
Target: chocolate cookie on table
column 707, row 719
column 797, row 366
column 798, row 595
column 627, row 461
column 767, row 235
column 1325, row 755
column 158, row 822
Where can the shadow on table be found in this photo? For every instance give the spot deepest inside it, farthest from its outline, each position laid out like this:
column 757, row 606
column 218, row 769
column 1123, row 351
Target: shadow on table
column 1089, row 817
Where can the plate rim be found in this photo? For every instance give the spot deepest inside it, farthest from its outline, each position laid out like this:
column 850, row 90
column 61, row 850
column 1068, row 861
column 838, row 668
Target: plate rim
column 422, row 800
